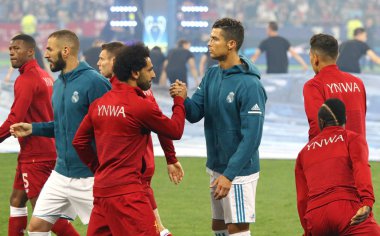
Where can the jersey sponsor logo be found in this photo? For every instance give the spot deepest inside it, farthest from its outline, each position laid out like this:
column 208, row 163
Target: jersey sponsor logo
column 348, row 87
column 255, row 110
column 111, row 110
column 48, row 81
column 325, row 142
column 75, row 97
column 230, row 97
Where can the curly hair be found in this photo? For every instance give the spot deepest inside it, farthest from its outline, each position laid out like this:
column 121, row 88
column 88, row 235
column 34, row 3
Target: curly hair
column 131, row 58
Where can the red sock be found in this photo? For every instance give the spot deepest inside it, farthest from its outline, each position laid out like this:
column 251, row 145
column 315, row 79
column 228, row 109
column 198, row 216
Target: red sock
column 17, row 225
column 64, row 228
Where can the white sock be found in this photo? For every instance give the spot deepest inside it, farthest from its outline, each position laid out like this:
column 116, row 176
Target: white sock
column 18, row 211
column 245, row 233
column 221, row 233
column 39, row 233
column 164, row 232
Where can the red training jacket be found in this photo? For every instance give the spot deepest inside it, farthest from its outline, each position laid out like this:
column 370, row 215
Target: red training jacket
column 333, row 166
column 166, row 143
column 32, row 103
column 330, row 82
column 120, row 122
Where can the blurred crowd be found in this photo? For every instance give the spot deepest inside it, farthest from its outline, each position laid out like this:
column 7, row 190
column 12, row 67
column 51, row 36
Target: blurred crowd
column 292, row 12
column 252, row 12
column 57, row 12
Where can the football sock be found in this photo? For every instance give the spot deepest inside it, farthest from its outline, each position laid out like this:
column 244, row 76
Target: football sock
column 39, row 233
column 63, row 227
column 165, row 232
column 245, row 233
column 18, row 220
column 221, row 233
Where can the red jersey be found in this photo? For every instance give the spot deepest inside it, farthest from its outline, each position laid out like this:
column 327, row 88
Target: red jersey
column 166, row 144
column 120, row 122
column 333, row 166
column 330, row 82
column 32, row 103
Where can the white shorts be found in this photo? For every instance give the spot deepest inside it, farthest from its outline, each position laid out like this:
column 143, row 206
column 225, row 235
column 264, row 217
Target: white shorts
column 239, row 204
column 65, row 197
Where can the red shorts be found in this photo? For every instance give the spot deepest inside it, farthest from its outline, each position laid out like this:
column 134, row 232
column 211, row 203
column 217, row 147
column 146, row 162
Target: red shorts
column 149, row 192
column 334, row 219
column 127, row 215
column 31, row 177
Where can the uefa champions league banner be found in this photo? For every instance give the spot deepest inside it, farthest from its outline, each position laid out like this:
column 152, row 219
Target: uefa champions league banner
column 285, row 126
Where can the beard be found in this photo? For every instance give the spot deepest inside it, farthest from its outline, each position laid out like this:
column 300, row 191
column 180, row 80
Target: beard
column 59, row 65
column 143, row 84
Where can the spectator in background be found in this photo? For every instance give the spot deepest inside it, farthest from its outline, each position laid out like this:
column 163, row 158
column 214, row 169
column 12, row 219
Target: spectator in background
column 91, row 55
column 353, row 24
column 351, row 51
column 205, row 63
column 175, row 64
column 158, row 59
column 276, row 48
column 29, row 24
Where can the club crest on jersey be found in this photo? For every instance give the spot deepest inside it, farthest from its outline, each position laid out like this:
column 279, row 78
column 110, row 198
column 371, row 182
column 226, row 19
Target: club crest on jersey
column 75, row 97
column 255, row 110
column 230, row 97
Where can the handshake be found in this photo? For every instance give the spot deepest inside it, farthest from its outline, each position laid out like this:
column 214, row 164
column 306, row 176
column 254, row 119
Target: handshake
column 178, row 88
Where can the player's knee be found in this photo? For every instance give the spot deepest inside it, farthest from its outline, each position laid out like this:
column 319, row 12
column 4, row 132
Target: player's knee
column 218, row 225
column 39, row 225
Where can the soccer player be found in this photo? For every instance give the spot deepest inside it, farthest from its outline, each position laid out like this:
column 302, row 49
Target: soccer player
column 68, row 191
column 276, row 49
column 352, row 50
column 231, row 99
column 106, row 61
column 120, row 122
column 330, row 82
column 33, row 89
column 333, row 179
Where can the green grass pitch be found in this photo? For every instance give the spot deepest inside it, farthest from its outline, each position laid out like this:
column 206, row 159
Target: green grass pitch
column 185, row 209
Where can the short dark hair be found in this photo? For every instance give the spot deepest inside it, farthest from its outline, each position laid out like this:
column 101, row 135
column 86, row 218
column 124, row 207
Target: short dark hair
column 131, row 58
column 333, row 112
column 324, row 44
column 358, row 31
column 232, row 30
column 67, row 36
column 28, row 40
column 182, row 42
column 273, row 25
column 113, row 47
